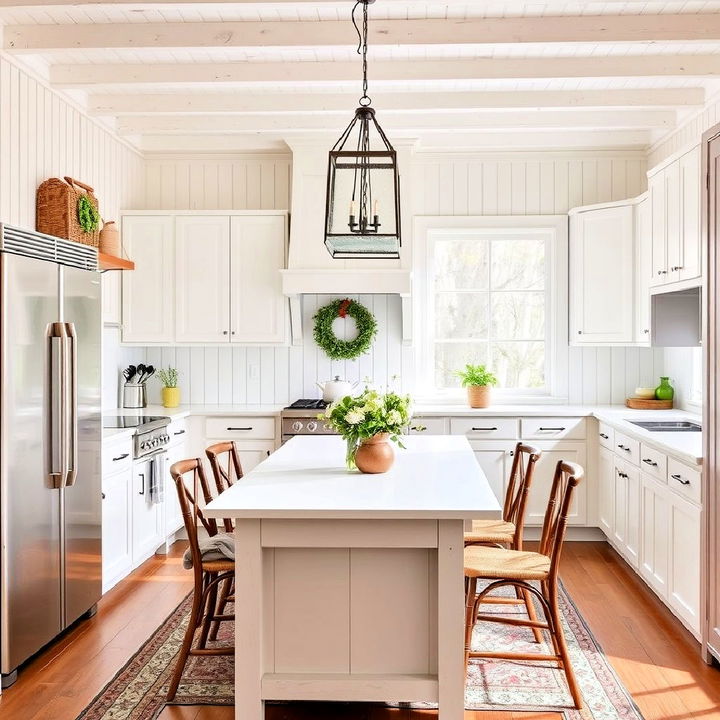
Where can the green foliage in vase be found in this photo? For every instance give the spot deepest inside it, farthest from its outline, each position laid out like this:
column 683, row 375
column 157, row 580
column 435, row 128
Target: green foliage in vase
column 359, row 418
column 476, row 375
column 168, row 377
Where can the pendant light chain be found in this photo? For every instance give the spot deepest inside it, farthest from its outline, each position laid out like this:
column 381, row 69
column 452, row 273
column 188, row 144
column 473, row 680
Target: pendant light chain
column 362, row 48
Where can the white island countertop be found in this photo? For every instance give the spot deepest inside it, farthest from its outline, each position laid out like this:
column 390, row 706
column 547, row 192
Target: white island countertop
column 436, row 476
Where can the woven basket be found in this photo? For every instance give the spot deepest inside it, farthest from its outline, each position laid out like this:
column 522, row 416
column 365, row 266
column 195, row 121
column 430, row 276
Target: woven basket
column 57, row 212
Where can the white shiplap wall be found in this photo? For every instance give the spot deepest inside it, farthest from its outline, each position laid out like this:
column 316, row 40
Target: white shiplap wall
column 42, row 136
column 448, row 184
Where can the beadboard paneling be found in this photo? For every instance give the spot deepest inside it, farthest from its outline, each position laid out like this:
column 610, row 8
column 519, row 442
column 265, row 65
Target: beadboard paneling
column 233, row 182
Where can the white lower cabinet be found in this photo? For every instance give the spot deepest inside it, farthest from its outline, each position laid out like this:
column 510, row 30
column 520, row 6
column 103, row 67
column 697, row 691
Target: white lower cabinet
column 496, row 460
column 626, row 516
column 606, row 490
column 254, row 436
column 147, row 517
column 116, row 528
column 173, row 514
column 654, row 546
column 684, row 568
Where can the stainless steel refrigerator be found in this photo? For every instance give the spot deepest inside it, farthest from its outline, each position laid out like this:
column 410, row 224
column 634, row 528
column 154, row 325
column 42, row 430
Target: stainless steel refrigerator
column 50, row 440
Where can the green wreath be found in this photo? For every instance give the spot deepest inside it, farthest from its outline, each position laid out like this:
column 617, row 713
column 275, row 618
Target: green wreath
column 88, row 216
column 334, row 347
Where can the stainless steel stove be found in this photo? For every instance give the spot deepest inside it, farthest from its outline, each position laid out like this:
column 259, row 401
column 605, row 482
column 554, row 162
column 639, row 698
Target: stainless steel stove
column 300, row 418
column 150, row 432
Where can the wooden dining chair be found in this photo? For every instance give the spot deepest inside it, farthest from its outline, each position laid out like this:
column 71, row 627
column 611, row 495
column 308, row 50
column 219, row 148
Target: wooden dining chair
column 207, row 574
column 226, row 467
column 518, row 569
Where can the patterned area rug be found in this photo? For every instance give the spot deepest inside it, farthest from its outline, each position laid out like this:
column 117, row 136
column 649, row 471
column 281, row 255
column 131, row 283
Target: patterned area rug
column 137, row 692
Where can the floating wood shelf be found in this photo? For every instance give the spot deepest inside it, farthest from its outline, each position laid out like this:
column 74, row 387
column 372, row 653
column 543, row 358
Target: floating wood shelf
column 110, row 262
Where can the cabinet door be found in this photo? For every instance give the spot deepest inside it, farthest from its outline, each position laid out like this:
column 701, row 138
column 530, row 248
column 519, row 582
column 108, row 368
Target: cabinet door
column 496, row 465
column 656, row 187
column 691, row 247
column 257, row 254
column 601, row 276
column 116, row 528
column 619, row 534
column 147, row 533
column 684, row 571
column 254, row 454
column 643, row 271
column 542, row 481
column 673, row 222
column 111, row 309
column 626, row 532
column 606, row 490
column 173, row 515
column 202, row 269
column 148, row 292
column 654, row 542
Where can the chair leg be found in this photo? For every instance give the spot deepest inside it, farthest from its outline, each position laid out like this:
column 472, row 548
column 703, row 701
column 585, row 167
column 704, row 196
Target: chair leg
column 222, row 602
column 210, row 609
column 187, row 643
column 562, row 649
column 530, row 607
column 471, row 589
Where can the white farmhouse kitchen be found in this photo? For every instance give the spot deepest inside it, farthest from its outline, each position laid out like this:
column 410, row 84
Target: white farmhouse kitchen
column 359, row 360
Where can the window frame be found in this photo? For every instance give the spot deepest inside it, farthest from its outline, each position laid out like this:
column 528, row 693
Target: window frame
column 554, row 229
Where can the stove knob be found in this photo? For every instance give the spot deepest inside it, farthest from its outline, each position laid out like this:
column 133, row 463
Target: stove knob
column 297, row 426
column 312, row 426
column 143, row 446
column 327, row 427
column 165, row 439
column 154, row 442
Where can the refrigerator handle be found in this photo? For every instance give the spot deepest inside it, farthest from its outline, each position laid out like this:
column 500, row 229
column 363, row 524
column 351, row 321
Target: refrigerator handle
column 71, row 434
column 56, row 447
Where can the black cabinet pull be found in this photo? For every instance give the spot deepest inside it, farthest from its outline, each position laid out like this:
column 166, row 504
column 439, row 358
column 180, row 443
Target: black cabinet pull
column 239, row 428
column 680, row 479
column 559, row 429
column 604, row 436
column 622, row 447
column 484, row 428
column 179, row 432
column 142, row 492
column 120, row 457
column 647, row 461
column 103, row 495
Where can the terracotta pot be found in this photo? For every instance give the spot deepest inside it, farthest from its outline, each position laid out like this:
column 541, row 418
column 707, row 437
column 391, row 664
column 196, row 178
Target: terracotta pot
column 478, row 396
column 375, row 455
column 110, row 239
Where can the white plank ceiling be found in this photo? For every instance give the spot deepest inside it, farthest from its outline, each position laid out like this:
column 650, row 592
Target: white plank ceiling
column 615, row 74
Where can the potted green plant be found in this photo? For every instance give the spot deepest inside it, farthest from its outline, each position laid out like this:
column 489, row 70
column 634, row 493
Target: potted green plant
column 366, row 423
column 478, row 380
column 170, row 391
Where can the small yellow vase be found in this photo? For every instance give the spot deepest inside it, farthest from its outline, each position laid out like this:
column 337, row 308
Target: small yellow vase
column 170, row 397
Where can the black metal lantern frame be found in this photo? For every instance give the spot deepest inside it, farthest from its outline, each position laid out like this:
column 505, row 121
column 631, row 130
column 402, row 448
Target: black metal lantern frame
column 362, row 213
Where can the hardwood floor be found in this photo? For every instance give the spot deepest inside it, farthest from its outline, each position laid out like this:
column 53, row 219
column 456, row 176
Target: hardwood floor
column 656, row 658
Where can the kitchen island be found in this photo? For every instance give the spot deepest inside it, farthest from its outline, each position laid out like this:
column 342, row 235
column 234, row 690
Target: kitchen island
column 349, row 587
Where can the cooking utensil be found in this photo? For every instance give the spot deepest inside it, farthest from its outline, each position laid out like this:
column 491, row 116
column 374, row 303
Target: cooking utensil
column 140, row 371
column 131, row 371
column 336, row 388
column 149, row 372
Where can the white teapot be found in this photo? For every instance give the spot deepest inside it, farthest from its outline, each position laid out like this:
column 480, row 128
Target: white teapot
column 336, row 389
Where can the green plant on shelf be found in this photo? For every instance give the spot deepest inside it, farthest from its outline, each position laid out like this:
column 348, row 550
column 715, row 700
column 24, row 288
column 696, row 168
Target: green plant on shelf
column 476, row 376
column 168, row 377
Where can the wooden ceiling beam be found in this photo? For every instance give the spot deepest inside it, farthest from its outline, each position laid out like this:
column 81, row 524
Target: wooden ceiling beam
column 405, row 122
column 209, row 103
column 9, row 4
column 475, row 31
column 163, row 74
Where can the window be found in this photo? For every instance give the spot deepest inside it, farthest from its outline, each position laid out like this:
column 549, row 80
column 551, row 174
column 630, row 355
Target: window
column 489, row 299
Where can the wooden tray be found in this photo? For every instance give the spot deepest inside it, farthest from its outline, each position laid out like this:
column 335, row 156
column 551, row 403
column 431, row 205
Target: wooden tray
column 642, row 404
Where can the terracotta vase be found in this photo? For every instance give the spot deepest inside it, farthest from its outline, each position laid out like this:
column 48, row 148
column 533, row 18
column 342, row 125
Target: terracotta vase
column 110, row 239
column 478, row 396
column 375, row 455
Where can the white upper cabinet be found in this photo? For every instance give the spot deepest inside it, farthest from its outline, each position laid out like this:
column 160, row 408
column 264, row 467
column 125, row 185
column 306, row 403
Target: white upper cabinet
column 643, row 270
column 602, row 275
column 257, row 252
column 675, row 220
column 202, row 271
column 148, row 292
column 205, row 278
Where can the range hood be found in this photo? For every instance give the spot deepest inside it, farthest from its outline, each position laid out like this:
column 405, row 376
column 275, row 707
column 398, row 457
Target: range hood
column 310, row 268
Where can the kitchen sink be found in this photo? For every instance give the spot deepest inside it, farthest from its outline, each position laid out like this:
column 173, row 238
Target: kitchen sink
column 667, row 425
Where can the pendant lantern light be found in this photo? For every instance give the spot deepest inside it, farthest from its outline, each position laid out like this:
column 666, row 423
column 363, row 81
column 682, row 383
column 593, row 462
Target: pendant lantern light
column 362, row 212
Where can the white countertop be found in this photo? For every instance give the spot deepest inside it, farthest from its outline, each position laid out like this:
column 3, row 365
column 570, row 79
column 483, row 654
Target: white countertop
column 436, row 477
column 686, row 446
column 117, row 433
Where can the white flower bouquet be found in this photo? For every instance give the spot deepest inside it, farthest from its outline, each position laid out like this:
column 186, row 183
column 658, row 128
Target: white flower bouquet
column 369, row 414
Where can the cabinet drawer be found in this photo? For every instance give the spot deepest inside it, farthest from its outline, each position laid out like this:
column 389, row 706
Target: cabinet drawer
column 116, row 455
column 178, row 432
column 432, row 425
column 684, row 480
column 606, row 436
column 551, row 428
column 237, row 427
column 485, row 427
column 653, row 462
column 627, row 448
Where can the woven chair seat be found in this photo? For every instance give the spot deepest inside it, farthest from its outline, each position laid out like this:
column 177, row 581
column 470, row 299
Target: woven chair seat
column 490, row 531
column 497, row 563
column 218, row 565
